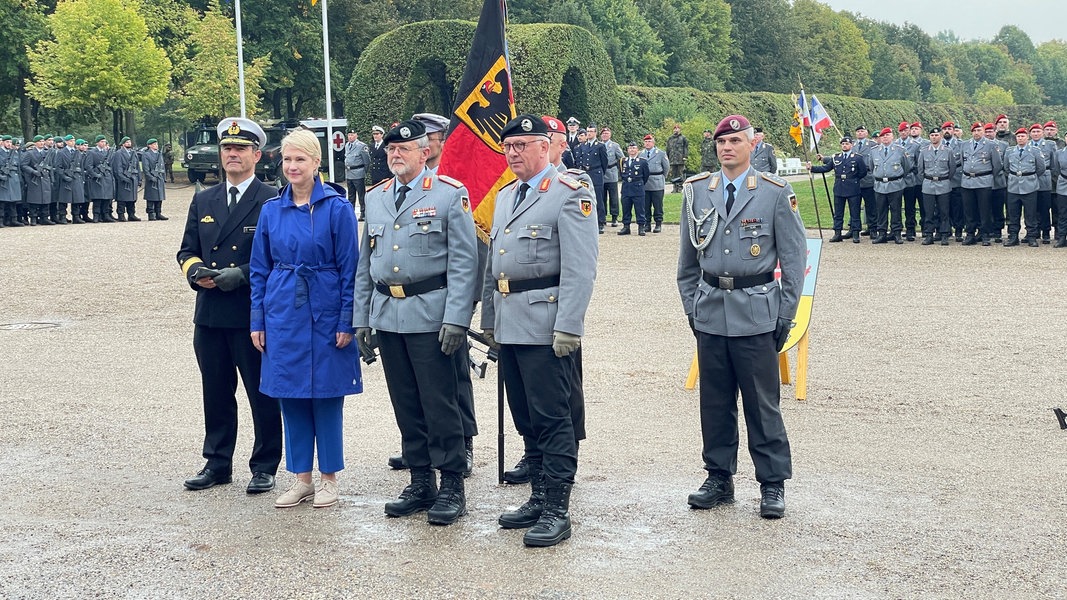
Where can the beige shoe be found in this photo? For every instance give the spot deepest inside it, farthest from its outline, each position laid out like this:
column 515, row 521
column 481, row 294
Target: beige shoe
column 326, row 494
column 297, row 493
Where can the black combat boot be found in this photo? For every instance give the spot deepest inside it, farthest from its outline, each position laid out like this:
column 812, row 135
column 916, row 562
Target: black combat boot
column 61, row 214
column 1061, row 242
column 717, row 489
column 969, row 240
column 554, row 526
column 856, row 236
column 150, row 208
column 76, row 214
column 418, row 496
column 451, row 504
column 105, row 212
column 42, row 215
column 928, row 240
column 120, row 211
column 837, row 236
column 527, row 514
column 897, row 238
column 772, row 500
column 1045, row 239
column 625, row 230
column 468, row 447
column 1013, row 240
column 879, row 238
column 944, row 239
column 159, row 211
column 520, row 474
column 131, row 211
column 1032, row 242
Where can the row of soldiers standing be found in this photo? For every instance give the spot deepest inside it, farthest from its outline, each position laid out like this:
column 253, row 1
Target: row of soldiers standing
column 38, row 182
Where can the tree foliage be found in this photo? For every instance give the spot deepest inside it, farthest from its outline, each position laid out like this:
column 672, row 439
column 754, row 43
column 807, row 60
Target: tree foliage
column 1050, row 68
column 835, row 55
column 99, row 55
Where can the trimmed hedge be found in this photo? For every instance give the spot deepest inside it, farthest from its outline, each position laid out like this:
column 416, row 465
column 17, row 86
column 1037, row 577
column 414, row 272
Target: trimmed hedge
column 417, row 68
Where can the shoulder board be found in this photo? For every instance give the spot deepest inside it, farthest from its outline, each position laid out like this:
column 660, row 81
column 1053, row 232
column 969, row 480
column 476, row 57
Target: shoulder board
column 452, row 182
column 575, row 171
column 570, row 181
column 375, row 186
column 776, row 180
column 698, row 177
column 509, row 184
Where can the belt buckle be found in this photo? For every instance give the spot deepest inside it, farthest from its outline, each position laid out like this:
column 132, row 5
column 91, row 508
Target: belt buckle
column 397, row 291
column 502, row 286
column 885, row 180
column 726, row 283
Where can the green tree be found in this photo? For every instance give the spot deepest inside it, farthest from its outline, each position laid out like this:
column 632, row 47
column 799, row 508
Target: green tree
column 766, row 46
column 835, row 55
column 990, row 94
column 696, row 39
column 1016, row 42
column 24, row 25
column 211, row 89
column 99, row 56
column 1050, row 68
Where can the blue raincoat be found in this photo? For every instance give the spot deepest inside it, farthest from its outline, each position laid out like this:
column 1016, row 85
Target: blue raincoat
column 302, row 275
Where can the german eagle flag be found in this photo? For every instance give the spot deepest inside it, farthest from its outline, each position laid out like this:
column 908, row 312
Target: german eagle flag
column 484, row 104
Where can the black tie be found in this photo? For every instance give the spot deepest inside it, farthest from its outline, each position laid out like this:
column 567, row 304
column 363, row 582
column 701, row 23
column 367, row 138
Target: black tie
column 401, row 196
column 976, row 145
column 730, row 189
column 233, row 198
column 522, row 194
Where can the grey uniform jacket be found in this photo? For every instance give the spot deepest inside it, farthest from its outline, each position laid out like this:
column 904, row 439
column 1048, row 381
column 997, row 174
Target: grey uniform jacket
column 37, row 177
column 912, row 147
column 658, row 167
column 980, row 163
column 101, row 184
column 1024, row 166
column 957, row 151
column 1000, row 177
column 763, row 230
column 936, row 167
column 888, row 169
column 1048, row 154
column 126, row 169
column 11, row 183
column 863, row 148
column 615, row 154
column 432, row 234
column 68, row 166
column 155, row 176
column 1061, row 172
column 582, row 177
column 553, row 232
column 763, row 158
column 357, row 159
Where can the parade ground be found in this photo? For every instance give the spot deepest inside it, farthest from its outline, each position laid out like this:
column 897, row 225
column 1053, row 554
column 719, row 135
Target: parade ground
column 927, row 460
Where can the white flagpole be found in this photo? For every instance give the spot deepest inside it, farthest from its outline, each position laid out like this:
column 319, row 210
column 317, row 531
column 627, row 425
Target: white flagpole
column 329, row 96
column 240, row 57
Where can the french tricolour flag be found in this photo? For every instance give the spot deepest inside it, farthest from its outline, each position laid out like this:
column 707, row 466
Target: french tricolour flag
column 820, row 119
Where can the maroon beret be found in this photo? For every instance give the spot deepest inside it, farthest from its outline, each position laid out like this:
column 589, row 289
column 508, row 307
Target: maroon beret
column 999, row 117
column 1021, row 130
column 977, row 125
column 903, row 126
column 554, row 126
column 731, row 124
column 884, row 131
column 1050, row 124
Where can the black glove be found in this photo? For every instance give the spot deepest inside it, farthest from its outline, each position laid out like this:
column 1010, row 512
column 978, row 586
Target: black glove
column 781, row 332
column 451, row 336
column 229, row 279
column 489, row 339
column 692, row 324
column 363, row 342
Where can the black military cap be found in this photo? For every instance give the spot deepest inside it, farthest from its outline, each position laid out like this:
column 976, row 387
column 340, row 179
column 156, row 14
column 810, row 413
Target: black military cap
column 631, row 144
column 935, row 130
column 405, row 131
column 846, row 138
column 573, row 121
column 757, row 130
column 861, row 128
column 524, row 125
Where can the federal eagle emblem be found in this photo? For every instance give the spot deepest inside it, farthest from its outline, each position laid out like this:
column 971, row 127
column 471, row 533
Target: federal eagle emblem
column 488, row 108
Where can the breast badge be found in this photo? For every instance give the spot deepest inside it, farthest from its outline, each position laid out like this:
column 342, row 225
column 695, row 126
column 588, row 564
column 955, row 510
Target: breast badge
column 754, row 250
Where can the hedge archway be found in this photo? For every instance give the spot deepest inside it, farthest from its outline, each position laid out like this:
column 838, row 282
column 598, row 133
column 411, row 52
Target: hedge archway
column 417, row 67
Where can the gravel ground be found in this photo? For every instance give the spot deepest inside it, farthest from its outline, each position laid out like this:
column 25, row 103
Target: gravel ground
column 927, row 462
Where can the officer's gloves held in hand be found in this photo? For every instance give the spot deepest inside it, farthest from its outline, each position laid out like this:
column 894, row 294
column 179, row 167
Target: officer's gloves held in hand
column 229, row 279
column 451, row 337
column 781, row 332
column 565, row 343
column 363, row 341
column 490, row 340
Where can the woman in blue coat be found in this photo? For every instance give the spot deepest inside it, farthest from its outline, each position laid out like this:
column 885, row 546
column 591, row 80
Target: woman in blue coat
column 303, row 266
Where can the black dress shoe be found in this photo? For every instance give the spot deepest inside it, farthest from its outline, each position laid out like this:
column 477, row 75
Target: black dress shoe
column 910, row 237
column 715, row 490
column 468, row 445
column 897, row 239
column 1032, row 242
column 520, row 474
column 880, row 239
column 658, row 228
column 641, row 231
column 772, row 500
column 624, row 231
column 207, row 478
column 837, row 237
column 866, row 233
column 397, row 462
column 1060, row 243
column 600, row 229
column 928, row 240
column 261, row 482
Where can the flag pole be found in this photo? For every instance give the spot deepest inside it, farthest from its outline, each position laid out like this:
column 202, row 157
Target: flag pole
column 811, row 182
column 329, row 95
column 240, row 57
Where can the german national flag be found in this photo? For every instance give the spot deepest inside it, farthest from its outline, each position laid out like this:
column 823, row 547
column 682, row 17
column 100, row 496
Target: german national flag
column 484, row 104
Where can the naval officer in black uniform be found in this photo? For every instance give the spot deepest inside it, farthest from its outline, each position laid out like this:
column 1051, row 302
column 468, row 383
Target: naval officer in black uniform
column 214, row 257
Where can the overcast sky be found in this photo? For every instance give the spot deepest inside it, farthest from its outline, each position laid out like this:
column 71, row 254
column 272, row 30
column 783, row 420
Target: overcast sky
column 1042, row 20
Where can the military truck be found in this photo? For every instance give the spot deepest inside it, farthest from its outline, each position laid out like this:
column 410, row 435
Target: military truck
column 201, row 156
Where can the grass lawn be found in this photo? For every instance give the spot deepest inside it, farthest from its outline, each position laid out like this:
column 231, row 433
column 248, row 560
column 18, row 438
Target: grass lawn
column 672, row 203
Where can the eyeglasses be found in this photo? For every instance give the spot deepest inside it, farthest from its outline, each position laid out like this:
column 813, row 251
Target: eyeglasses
column 516, row 146
column 393, row 149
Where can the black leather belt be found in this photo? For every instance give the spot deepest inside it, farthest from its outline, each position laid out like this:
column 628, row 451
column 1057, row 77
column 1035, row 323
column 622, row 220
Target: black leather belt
column 1026, row 174
column 937, row 177
column 888, row 179
column 978, row 174
column 413, row 289
column 514, row 286
column 656, row 173
column 736, row 283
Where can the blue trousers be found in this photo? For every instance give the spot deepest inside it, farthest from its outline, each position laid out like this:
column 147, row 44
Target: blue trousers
column 311, row 422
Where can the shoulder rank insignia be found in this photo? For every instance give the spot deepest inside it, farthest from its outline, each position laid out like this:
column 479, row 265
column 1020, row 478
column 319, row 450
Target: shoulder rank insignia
column 714, row 183
column 793, row 202
column 776, row 180
column 698, row 177
column 384, row 182
column 570, row 182
column 427, row 183
column 208, row 219
column 466, row 202
column 586, row 205
column 751, row 183
column 452, row 182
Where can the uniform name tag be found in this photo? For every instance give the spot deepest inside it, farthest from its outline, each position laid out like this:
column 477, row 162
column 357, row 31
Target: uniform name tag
column 428, row 211
column 251, row 229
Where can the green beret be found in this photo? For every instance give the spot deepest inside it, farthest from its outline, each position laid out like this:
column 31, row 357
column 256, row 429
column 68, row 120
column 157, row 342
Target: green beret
column 68, row 137
column 151, row 141
column 6, row 138
column 99, row 138
column 38, row 138
column 80, row 142
column 124, row 139
column 57, row 140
